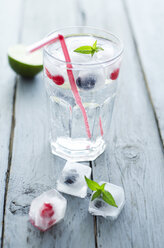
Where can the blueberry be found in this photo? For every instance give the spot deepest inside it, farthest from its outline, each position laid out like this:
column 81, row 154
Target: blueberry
column 87, row 82
column 99, row 204
column 71, row 177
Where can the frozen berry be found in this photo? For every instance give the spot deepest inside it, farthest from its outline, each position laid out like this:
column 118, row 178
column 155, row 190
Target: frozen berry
column 87, row 82
column 99, row 204
column 114, row 74
column 57, row 79
column 47, row 210
column 33, row 223
column 70, row 179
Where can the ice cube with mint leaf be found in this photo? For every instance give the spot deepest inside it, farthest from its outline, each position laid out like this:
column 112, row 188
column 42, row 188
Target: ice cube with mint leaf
column 107, row 199
column 89, row 49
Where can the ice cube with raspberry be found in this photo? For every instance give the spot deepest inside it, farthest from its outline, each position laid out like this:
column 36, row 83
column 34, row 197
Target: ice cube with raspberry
column 72, row 179
column 47, row 209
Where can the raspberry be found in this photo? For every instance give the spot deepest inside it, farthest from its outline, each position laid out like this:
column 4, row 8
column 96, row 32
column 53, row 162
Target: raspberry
column 58, row 79
column 114, row 74
column 33, row 223
column 47, row 210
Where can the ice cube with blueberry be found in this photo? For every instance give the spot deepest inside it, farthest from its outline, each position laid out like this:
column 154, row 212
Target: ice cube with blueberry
column 47, row 209
column 72, row 179
column 88, row 80
column 101, row 208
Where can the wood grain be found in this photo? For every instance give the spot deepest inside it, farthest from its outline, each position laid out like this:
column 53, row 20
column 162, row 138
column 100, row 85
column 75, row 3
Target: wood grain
column 9, row 31
column 149, row 35
column 34, row 169
column 134, row 158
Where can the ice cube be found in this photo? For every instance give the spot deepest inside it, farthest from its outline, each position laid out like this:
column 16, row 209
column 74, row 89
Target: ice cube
column 72, row 179
column 47, row 209
column 80, row 58
column 90, row 79
column 74, row 43
column 55, row 69
column 104, row 55
column 101, row 208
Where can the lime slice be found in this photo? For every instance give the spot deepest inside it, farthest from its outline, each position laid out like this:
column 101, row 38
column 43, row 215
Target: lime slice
column 24, row 63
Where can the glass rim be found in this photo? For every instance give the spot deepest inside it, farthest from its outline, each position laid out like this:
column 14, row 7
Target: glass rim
column 111, row 60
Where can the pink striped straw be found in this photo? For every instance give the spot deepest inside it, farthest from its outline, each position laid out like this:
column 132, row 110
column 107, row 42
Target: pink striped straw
column 39, row 44
column 73, row 83
column 49, row 40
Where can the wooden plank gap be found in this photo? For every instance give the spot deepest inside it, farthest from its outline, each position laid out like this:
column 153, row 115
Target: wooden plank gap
column 94, row 217
column 95, row 230
column 81, row 12
column 9, row 160
column 142, row 69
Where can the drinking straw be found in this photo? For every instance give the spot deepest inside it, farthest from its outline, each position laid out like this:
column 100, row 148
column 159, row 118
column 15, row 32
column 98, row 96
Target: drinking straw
column 39, row 44
column 51, row 39
column 73, row 83
column 101, row 128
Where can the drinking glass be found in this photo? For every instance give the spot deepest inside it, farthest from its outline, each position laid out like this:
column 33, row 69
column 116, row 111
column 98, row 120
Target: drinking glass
column 96, row 82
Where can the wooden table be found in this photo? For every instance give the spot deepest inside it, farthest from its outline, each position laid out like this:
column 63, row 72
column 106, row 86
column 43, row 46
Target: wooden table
column 134, row 158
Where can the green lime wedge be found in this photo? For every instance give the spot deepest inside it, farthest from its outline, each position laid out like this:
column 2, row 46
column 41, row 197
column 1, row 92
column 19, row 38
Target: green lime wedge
column 24, row 63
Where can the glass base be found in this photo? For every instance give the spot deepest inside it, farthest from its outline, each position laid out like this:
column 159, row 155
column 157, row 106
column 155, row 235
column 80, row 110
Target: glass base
column 77, row 149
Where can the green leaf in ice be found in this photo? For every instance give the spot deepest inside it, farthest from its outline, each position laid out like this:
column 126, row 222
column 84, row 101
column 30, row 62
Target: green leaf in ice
column 89, row 49
column 96, row 194
column 92, row 185
column 84, row 50
column 102, row 186
column 100, row 192
column 108, row 198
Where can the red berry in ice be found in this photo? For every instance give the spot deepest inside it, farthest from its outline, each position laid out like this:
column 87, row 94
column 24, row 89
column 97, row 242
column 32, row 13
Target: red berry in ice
column 58, row 79
column 114, row 74
column 47, row 210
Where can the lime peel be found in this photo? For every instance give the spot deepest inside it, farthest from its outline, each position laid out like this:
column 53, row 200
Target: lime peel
column 24, row 63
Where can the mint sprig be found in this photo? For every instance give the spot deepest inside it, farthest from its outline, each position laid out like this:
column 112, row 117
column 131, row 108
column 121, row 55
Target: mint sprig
column 100, row 192
column 89, row 49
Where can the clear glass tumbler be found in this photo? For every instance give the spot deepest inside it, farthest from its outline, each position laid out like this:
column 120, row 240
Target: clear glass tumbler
column 95, row 78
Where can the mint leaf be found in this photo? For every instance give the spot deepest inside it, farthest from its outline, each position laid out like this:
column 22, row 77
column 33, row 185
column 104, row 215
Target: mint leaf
column 102, row 186
column 89, row 49
column 84, row 50
column 108, row 198
column 99, row 190
column 94, row 45
column 99, row 49
column 92, row 185
column 96, row 194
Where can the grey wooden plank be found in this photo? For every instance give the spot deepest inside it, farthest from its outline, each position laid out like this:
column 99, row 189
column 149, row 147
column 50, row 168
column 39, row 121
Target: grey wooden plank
column 34, row 169
column 134, row 158
column 149, row 34
column 9, row 33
